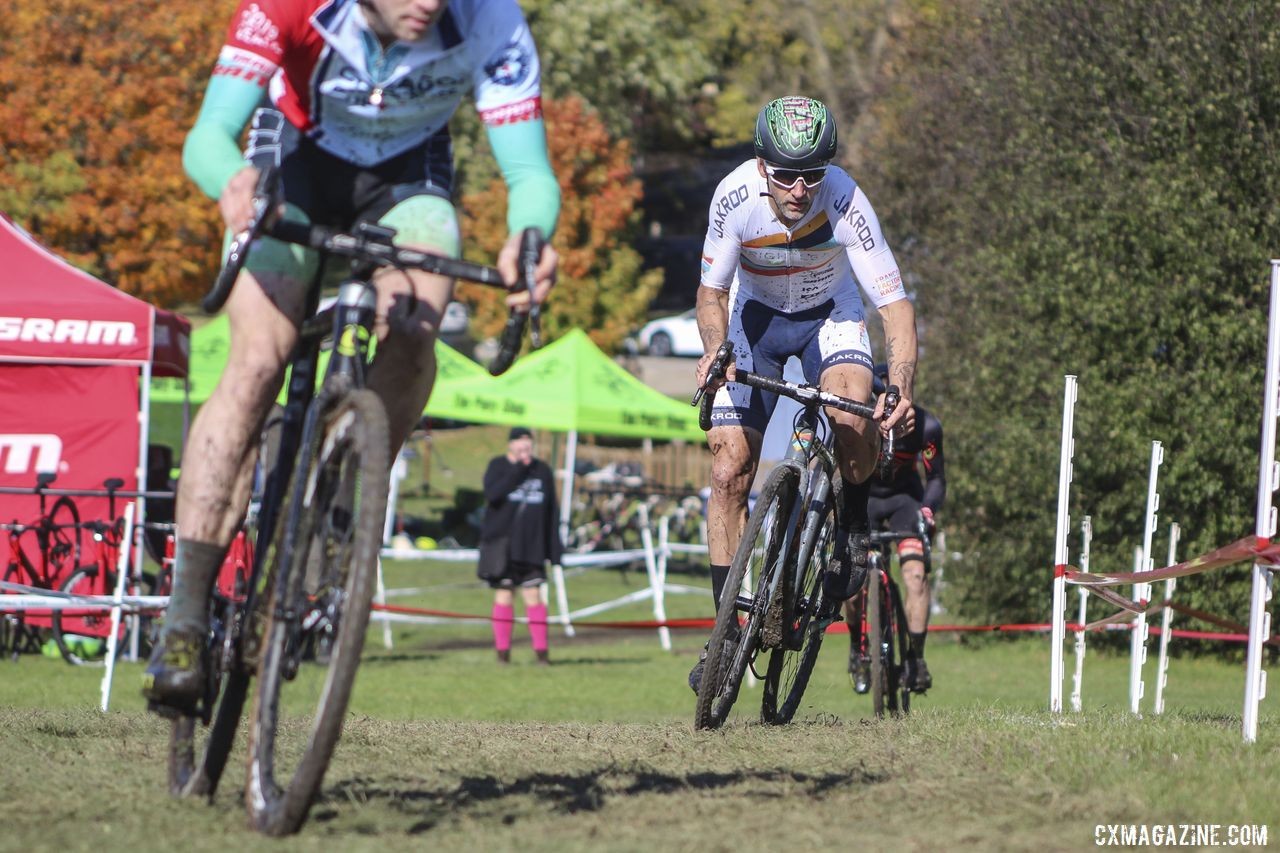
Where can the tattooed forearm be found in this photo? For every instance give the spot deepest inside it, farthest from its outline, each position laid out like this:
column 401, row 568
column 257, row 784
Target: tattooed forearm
column 900, row 345
column 712, row 308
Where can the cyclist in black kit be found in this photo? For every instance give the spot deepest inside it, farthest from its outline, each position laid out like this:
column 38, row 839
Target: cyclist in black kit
column 895, row 504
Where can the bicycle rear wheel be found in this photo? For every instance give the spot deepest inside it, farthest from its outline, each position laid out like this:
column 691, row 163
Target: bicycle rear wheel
column 82, row 636
column 904, row 648
column 330, row 537
column 880, row 642
column 791, row 664
column 732, row 646
column 197, row 757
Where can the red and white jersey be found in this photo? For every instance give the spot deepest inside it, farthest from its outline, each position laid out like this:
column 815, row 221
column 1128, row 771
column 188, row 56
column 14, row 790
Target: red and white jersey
column 749, row 251
column 331, row 78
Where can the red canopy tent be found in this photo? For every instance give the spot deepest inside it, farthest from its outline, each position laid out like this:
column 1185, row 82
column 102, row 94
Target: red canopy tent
column 76, row 359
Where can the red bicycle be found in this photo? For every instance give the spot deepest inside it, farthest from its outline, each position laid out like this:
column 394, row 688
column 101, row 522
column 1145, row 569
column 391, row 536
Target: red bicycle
column 57, row 539
column 883, row 636
column 80, row 634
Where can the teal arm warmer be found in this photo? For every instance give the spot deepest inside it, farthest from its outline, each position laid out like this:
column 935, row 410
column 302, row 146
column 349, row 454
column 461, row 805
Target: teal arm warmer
column 211, row 154
column 533, row 196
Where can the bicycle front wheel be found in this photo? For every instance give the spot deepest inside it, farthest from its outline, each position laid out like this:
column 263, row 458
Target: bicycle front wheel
column 63, row 546
column 331, row 530
column 791, row 664
column 733, row 643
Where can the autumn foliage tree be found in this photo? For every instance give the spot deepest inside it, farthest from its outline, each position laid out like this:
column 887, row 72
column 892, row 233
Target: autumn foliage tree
column 95, row 99
column 601, row 287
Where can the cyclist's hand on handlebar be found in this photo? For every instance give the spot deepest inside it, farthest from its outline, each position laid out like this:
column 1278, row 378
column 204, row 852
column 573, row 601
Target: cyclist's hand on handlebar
column 236, row 201
column 902, row 420
column 929, row 524
column 704, row 366
column 508, row 265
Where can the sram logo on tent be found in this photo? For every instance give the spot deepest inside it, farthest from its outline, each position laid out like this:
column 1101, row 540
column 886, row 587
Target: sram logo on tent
column 48, row 330
column 23, row 452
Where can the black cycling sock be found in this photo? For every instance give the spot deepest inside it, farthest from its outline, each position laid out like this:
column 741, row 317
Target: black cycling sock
column 854, row 497
column 195, row 568
column 719, row 574
column 917, row 642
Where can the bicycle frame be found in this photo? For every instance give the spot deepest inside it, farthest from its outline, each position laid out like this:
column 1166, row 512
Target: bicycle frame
column 805, row 453
column 350, row 320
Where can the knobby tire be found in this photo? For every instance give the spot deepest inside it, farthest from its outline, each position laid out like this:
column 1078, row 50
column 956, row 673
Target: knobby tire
column 760, row 549
column 197, row 757
column 789, row 668
column 338, row 498
column 904, row 646
column 875, row 639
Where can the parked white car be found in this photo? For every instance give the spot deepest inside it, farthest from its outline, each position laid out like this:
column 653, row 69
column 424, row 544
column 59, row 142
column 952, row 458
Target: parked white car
column 676, row 335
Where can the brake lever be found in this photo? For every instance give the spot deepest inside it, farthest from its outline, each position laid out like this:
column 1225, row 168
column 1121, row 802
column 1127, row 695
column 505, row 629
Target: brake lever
column 884, row 464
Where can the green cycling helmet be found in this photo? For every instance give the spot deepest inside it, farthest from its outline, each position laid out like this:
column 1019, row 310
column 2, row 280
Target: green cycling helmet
column 795, row 133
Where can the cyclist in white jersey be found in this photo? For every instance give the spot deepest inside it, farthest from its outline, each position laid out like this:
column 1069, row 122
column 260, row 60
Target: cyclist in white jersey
column 790, row 238
column 367, row 88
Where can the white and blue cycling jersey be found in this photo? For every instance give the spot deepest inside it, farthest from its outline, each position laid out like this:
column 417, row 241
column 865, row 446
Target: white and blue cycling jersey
column 794, row 290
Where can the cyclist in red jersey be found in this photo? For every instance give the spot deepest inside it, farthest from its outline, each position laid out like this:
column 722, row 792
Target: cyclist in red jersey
column 897, row 501
column 367, row 88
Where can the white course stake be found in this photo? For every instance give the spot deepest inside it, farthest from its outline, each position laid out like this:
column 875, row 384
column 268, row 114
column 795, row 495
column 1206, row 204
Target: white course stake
column 1166, row 619
column 1142, row 591
column 1056, row 664
column 1255, row 679
column 122, row 576
column 1086, row 536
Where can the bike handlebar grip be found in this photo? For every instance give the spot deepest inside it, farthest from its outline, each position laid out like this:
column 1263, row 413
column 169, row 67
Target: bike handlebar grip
column 264, row 203
column 724, row 355
column 704, row 413
column 531, row 245
column 217, row 295
column 509, row 342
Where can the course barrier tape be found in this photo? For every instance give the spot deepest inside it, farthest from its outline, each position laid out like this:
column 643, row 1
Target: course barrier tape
column 1248, row 549
column 835, row 628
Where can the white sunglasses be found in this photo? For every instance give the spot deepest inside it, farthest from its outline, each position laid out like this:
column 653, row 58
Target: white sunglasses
column 787, row 178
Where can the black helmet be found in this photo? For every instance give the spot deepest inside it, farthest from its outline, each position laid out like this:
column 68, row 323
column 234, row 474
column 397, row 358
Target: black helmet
column 795, row 133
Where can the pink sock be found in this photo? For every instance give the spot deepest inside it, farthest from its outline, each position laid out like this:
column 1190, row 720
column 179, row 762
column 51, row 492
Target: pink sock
column 537, row 614
column 503, row 616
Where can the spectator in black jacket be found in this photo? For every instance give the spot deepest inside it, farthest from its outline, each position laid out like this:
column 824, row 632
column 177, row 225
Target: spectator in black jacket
column 520, row 504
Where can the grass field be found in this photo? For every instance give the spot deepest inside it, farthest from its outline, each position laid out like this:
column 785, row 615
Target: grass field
column 443, row 749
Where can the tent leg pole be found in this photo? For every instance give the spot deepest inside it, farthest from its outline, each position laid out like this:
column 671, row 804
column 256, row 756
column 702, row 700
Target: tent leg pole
column 566, row 489
column 562, row 599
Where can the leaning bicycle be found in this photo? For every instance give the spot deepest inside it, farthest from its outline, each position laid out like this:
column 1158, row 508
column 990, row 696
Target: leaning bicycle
column 773, row 598
column 301, row 625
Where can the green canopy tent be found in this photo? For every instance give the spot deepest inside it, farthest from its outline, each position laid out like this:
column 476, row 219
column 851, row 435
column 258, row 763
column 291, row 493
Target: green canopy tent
column 571, row 386
column 210, row 343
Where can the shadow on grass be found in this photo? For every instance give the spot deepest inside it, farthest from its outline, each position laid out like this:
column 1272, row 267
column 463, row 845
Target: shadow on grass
column 400, row 657
column 570, row 793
